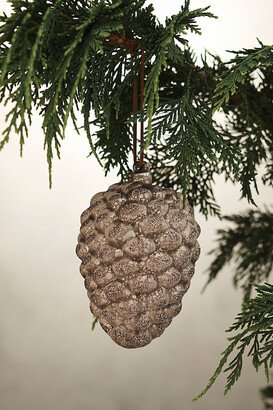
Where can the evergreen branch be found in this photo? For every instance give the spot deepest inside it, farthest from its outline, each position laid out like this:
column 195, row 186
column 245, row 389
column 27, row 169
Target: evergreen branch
column 249, row 126
column 178, row 24
column 191, row 148
column 249, row 244
column 59, row 57
column 254, row 327
column 242, row 66
column 19, row 94
column 60, row 71
column 186, row 19
column 200, row 190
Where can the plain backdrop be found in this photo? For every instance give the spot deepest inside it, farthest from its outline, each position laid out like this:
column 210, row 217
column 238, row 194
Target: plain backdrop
column 49, row 358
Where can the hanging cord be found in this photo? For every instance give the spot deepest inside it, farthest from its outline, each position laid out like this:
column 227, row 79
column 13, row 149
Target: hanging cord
column 135, row 109
column 139, row 162
column 131, row 46
column 142, row 84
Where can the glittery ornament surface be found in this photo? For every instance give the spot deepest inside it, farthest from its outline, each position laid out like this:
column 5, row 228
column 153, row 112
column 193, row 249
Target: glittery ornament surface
column 138, row 247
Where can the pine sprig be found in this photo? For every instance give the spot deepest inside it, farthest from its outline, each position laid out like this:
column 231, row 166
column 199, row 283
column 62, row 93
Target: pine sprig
column 178, row 24
column 249, row 127
column 57, row 71
column 200, row 190
column 239, row 69
column 248, row 243
column 57, row 57
column 191, row 139
column 254, row 336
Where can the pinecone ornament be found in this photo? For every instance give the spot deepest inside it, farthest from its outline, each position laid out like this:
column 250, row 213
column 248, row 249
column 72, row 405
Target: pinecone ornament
column 138, row 246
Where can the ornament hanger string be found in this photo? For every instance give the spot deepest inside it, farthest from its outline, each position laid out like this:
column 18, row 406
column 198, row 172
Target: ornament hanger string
column 131, row 46
column 138, row 162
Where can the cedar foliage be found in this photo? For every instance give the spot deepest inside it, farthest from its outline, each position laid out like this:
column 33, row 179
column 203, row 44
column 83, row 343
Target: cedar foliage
column 247, row 242
column 57, row 57
column 253, row 329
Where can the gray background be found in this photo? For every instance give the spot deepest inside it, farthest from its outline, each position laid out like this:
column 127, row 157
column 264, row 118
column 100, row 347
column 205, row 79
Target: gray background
column 49, row 358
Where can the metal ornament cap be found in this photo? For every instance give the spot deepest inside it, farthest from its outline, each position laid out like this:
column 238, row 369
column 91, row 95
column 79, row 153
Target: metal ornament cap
column 142, row 173
column 145, row 177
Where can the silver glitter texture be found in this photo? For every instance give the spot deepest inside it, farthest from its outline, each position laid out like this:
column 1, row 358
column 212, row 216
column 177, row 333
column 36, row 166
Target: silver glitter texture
column 138, row 247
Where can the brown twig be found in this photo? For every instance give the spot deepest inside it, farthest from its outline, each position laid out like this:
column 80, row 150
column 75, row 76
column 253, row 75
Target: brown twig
column 130, row 44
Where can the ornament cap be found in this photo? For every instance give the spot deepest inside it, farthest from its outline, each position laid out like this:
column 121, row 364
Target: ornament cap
column 142, row 173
